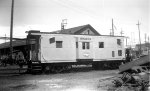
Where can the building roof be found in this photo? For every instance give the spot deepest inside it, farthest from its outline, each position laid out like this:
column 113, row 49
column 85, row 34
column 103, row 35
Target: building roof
column 143, row 45
column 14, row 44
column 76, row 30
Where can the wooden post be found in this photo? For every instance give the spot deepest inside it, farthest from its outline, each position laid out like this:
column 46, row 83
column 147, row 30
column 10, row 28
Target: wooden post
column 11, row 30
column 139, row 36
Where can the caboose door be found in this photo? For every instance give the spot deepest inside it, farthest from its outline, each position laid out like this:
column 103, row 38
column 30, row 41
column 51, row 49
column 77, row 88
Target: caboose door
column 33, row 47
column 84, row 49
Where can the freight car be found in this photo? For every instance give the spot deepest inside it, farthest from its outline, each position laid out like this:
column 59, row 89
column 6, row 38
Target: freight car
column 57, row 52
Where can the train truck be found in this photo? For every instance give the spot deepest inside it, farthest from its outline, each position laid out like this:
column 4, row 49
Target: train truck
column 49, row 52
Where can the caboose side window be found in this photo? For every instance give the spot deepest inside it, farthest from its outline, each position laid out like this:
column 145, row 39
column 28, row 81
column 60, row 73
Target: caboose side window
column 101, row 44
column 88, row 45
column 58, row 44
column 119, row 41
column 119, row 52
column 113, row 53
column 85, row 45
column 52, row 40
column 76, row 44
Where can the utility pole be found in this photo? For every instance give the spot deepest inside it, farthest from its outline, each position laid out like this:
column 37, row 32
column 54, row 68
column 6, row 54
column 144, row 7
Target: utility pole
column 63, row 24
column 11, row 29
column 5, row 38
column 139, row 36
column 110, row 32
column 112, row 28
column 5, row 45
column 148, row 49
column 131, row 42
column 145, row 38
column 126, row 41
column 121, row 32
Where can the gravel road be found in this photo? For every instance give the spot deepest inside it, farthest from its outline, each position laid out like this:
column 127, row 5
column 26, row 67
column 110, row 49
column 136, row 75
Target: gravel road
column 78, row 79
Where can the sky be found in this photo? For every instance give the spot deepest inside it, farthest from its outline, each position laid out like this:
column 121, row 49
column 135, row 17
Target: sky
column 47, row 15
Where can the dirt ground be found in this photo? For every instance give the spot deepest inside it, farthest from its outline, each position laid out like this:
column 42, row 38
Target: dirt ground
column 78, row 79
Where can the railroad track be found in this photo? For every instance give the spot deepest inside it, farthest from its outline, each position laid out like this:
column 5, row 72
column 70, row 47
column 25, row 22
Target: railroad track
column 17, row 70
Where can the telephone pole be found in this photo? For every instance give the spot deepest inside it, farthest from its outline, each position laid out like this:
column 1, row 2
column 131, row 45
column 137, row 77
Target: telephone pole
column 121, row 32
column 145, row 38
column 11, row 29
column 148, row 49
column 139, row 36
column 112, row 28
column 5, row 38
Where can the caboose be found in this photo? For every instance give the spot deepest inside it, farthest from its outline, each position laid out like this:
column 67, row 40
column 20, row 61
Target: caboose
column 57, row 52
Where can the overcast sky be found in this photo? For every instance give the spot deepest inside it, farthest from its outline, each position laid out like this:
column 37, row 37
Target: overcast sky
column 46, row 15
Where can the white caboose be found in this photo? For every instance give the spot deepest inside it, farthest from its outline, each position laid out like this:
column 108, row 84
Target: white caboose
column 56, row 52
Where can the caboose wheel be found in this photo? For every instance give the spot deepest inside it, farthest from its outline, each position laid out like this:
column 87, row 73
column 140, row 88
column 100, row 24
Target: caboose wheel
column 57, row 69
column 46, row 69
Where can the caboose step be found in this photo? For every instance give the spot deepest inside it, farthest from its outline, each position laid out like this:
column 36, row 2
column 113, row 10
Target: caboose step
column 35, row 67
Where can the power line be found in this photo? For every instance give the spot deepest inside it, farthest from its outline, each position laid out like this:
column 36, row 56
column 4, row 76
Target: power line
column 76, row 9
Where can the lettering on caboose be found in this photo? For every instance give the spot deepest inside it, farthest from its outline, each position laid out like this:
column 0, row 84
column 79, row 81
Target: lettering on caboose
column 85, row 38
